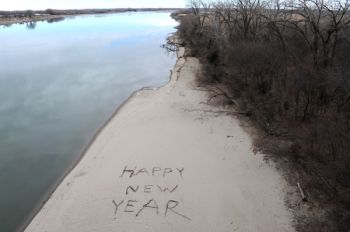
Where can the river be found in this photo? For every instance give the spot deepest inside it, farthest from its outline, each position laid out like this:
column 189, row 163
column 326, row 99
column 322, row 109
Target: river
column 59, row 83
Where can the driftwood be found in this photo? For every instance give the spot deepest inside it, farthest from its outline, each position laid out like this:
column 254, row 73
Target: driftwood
column 303, row 197
column 217, row 92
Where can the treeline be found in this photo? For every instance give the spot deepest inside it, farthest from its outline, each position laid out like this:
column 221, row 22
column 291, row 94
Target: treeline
column 31, row 13
column 287, row 64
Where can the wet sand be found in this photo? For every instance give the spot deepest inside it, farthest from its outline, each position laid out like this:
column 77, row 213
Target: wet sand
column 168, row 162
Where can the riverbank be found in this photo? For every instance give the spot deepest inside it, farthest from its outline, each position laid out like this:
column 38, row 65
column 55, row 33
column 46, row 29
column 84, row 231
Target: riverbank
column 39, row 18
column 167, row 161
column 8, row 18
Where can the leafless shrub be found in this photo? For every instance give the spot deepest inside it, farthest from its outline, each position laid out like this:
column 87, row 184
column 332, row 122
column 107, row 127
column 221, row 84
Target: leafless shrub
column 289, row 65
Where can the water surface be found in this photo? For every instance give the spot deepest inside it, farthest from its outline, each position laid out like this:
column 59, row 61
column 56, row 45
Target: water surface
column 59, row 82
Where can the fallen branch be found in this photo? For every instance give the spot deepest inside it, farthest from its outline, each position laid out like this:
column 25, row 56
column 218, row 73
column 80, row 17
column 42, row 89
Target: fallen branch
column 303, row 197
column 216, row 111
column 218, row 92
column 227, row 96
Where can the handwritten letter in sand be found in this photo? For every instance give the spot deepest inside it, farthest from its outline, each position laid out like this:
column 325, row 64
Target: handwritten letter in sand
column 134, row 202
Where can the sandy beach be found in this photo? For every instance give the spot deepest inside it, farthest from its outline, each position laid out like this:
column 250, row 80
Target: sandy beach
column 168, row 162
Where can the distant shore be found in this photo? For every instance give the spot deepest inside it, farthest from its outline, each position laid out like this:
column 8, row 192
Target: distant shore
column 21, row 20
column 8, row 18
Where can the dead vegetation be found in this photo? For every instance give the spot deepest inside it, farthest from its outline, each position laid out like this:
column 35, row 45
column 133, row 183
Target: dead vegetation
column 287, row 65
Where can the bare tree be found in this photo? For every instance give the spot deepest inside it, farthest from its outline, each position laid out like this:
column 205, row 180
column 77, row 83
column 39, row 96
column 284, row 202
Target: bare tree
column 320, row 25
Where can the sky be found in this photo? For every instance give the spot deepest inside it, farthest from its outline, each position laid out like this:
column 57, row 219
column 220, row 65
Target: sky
column 84, row 4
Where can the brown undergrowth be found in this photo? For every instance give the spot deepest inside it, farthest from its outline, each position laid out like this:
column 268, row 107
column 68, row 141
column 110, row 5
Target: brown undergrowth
column 287, row 73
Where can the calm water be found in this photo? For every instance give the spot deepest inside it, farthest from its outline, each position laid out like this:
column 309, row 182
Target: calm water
column 59, row 82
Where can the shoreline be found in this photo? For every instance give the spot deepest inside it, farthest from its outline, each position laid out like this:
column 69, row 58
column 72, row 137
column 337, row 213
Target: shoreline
column 43, row 218
column 63, row 14
column 11, row 21
column 55, row 185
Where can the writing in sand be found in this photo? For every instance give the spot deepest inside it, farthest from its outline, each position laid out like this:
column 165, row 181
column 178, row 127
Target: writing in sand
column 131, row 205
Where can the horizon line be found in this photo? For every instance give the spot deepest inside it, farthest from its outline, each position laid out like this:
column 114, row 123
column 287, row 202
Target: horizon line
column 118, row 8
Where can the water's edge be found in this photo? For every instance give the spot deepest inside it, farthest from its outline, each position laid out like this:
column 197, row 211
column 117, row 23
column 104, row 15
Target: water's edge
column 65, row 14
column 55, row 185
